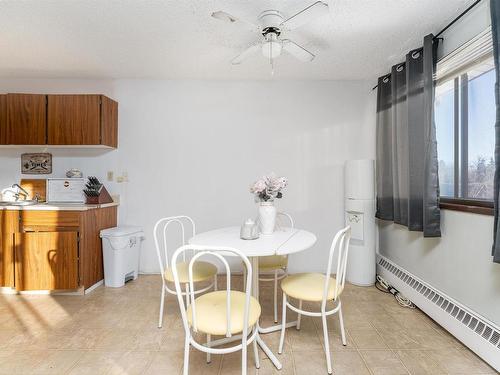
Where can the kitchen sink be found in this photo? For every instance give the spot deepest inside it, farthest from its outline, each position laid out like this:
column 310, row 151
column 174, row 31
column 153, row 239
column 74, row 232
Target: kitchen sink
column 18, row 203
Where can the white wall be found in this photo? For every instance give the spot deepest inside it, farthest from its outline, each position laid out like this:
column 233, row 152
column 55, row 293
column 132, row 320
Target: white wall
column 194, row 147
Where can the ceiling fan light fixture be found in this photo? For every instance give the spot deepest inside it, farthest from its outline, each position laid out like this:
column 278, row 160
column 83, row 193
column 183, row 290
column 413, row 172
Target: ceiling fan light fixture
column 271, row 46
column 271, row 50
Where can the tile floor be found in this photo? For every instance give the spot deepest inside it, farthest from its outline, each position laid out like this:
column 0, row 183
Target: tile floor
column 113, row 331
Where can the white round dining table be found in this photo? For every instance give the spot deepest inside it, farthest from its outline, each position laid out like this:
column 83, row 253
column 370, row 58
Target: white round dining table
column 283, row 241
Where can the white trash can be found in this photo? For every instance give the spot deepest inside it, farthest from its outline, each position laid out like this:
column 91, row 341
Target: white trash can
column 120, row 247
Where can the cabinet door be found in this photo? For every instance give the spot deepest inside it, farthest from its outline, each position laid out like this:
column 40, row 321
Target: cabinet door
column 46, row 260
column 109, row 122
column 9, row 224
column 26, row 119
column 73, row 120
column 3, row 119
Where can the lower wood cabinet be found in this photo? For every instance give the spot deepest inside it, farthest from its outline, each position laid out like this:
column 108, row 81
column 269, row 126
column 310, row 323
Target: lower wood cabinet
column 46, row 260
column 52, row 250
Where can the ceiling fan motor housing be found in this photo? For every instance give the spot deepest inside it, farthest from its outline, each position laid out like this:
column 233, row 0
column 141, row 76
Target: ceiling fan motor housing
column 270, row 21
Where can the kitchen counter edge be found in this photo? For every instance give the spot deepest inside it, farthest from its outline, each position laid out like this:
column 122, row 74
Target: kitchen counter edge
column 59, row 207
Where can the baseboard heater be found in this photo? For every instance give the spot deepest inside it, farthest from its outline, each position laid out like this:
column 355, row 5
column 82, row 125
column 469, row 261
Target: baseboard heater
column 476, row 332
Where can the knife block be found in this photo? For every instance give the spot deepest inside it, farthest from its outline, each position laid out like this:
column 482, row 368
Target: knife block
column 102, row 198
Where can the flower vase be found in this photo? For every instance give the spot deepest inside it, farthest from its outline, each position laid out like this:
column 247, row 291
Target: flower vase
column 267, row 217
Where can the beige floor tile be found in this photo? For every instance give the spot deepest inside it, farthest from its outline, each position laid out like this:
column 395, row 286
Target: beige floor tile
column 367, row 339
column 198, row 363
column 96, row 362
column 57, row 362
column 166, row 363
column 464, row 362
column 421, row 362
column 383, row 362
column 348, row 363
column 268, row 368
column 117, row 339
column 19, row 361
column 396, row 338
column 131, row 363
column 335, row 341
column 231, row 363
column 304, row 340
column 343, row 363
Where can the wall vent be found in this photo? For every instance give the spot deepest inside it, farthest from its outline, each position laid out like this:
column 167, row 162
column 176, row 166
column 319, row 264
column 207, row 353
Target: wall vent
column 484, row 332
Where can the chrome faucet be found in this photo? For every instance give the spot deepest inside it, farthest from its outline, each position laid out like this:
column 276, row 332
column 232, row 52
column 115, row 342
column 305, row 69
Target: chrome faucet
column 20, row 191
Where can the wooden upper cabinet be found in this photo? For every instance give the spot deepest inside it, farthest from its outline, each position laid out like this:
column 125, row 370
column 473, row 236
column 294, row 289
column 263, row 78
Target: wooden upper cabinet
column 73, row 120
column 26, row 119
column 109, row 122
column 3, row 118
column 65, row 120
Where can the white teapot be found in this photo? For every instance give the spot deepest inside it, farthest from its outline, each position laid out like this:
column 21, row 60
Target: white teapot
column 249, row 230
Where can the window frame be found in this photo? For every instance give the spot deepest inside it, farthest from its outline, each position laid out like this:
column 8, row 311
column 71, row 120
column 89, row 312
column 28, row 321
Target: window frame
column 461, row 155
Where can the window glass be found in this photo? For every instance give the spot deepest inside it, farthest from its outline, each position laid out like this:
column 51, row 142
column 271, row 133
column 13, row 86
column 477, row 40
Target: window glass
column 466, row 155
column 444, row 117
column 481, row 121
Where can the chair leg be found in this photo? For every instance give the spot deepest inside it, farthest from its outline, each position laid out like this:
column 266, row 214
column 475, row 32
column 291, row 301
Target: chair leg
column 209, row 355
column 299, row 316
column 327, row 345
column 186, row 357
column 256, row 353
column 162, row 304
column 244, row 348
column 283, row 325
column 276, row 296
column 342, row 330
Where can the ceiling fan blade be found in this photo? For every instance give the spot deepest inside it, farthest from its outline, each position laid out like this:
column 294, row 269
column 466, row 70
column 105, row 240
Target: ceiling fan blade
column 306, row 15
column 297, row 51
column 226, row 17
column 246, row 53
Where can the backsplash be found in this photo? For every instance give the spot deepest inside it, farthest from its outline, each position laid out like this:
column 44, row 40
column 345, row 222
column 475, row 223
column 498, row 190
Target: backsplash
column 92, row 162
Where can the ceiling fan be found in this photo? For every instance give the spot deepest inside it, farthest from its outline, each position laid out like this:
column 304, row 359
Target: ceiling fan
column 270, row 24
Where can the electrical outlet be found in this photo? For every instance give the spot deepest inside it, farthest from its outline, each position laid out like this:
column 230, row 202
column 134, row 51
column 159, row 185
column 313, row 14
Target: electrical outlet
column 110, row 175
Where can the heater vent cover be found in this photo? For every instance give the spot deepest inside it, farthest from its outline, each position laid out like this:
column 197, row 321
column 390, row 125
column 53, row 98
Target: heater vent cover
column 471, row 322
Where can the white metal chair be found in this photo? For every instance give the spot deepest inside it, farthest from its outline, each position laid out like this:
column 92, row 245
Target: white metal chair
column 275, row 265
column 316, row 287
column 225, row 312
column 204, row 271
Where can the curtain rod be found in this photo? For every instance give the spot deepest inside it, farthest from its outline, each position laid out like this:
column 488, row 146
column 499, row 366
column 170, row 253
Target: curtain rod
column 450, row 24
column 458, row 17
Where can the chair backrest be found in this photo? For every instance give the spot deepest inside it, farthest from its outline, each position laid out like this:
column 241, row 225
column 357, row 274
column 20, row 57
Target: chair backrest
column 287, row 216
column 160, row 236
column 219, row 253
column 340, row 248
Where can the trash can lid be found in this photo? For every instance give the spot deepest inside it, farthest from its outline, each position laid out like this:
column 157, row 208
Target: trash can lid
column 121, row 231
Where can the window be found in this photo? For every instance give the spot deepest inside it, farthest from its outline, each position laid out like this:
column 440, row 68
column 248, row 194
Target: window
column 465, row 114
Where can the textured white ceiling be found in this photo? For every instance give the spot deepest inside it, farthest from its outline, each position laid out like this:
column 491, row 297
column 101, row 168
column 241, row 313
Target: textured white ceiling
column 178, row 39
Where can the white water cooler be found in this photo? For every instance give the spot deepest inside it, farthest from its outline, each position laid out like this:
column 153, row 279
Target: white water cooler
column 360, row 215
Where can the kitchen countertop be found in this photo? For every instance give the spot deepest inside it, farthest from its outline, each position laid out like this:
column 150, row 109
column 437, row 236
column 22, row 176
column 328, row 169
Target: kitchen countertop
column 59, row 207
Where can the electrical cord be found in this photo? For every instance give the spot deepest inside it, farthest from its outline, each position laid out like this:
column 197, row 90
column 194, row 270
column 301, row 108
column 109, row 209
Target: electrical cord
column 385, row 287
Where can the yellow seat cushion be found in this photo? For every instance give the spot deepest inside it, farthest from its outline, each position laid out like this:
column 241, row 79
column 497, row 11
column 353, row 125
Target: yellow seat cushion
column 273, row 262
column 201, row 271
column 308, row 286
column 211, row 312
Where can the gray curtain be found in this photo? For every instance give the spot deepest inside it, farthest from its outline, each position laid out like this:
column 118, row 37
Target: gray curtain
column 495, row 24
column 407, row 175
